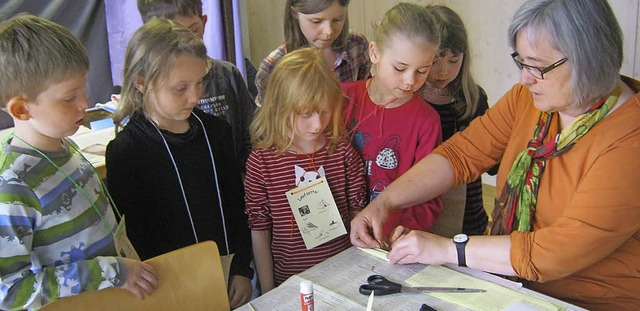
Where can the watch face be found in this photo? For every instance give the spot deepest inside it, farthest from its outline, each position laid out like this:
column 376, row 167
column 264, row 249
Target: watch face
column 460, row 238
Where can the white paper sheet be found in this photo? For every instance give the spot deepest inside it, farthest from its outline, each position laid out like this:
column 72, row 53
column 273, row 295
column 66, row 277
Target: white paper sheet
column 336, row 282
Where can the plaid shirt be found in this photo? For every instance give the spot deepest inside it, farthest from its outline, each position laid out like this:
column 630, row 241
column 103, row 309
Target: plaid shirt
column 351, row 64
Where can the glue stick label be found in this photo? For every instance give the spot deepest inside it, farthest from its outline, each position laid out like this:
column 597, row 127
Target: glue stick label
column 306, row 296
column 307, row 302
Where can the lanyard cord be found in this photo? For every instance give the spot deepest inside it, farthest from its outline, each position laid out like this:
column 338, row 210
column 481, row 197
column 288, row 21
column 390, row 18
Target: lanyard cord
column 215, row 176
column 311, row 157
column 75, row 184
column 184, row 195
column 312, row 164
column 102, row 185
column 377, row 107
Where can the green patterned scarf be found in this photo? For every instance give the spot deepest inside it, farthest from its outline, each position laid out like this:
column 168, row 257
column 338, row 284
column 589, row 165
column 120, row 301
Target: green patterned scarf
column 516, row 206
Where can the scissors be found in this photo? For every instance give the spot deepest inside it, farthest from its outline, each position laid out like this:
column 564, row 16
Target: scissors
column 379, row 285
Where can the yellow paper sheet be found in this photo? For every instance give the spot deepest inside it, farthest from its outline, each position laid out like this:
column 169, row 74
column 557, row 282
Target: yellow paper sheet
column 376, row 252
column 496, row 297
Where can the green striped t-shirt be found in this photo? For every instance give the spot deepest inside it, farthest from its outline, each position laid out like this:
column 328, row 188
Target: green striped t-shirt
column 55, row 239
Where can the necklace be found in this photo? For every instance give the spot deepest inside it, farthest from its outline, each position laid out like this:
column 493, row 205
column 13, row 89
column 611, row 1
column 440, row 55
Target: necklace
column 369, row 91
column 311, row 157
column 184, row 194
column 80, row 189
column 377, row 108
column 437, row 96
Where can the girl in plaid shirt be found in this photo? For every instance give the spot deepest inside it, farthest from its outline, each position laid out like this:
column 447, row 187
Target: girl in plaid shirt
column 324, row 25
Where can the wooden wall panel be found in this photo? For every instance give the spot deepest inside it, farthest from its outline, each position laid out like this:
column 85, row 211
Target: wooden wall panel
column 627, row 12
column 491, row 65
column 265, row 31
column 486, row 23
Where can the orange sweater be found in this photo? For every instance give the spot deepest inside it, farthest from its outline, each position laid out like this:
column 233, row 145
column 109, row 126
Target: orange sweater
column 585, row 246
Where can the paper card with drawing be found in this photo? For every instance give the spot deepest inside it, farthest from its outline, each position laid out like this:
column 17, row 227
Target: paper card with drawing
column 226, row 261
column 316, row 213
column 121, row 240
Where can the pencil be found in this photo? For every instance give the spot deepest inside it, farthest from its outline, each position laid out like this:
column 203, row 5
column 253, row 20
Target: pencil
column 251, row 307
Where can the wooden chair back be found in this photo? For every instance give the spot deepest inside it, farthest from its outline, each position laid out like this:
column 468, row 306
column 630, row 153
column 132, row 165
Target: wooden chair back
column 190, row 278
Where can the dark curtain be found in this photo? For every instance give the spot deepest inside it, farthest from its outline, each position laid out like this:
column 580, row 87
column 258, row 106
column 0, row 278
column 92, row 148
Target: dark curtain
column 86, row 20
column 227, row 24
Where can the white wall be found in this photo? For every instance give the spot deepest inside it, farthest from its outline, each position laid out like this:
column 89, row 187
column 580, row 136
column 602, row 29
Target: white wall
column 486, row 23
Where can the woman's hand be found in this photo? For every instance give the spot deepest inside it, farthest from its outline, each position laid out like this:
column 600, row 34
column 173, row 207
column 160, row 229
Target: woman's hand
column 240, row 291
column 142, row 278
column 419, row 246
column 368, row 221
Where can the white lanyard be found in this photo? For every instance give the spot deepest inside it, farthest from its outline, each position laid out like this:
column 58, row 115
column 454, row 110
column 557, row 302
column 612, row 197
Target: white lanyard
column 215, row 176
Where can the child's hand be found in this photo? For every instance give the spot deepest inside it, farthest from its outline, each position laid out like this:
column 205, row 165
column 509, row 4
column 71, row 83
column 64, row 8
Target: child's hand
column 142, row 278
column 240, row 291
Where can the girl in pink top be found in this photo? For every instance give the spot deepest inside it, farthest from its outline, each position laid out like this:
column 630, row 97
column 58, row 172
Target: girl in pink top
column 389, row 123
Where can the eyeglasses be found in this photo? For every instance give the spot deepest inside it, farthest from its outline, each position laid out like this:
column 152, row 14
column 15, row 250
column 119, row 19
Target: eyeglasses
column 536, row 72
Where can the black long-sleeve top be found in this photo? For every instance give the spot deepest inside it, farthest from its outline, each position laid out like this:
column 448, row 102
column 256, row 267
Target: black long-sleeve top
column 145, row 188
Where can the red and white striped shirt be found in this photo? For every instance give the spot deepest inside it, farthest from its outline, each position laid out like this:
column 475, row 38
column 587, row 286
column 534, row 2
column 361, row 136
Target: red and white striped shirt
column 270, row 175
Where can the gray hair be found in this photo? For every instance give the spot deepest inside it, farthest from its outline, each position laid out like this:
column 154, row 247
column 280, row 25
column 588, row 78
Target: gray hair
column 586, row 32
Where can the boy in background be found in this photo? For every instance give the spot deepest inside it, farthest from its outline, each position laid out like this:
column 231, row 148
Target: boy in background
column 56, row 223
column 225, row 92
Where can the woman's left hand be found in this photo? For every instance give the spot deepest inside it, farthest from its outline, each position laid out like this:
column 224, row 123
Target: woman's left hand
column 419, row 246
column 240, row 291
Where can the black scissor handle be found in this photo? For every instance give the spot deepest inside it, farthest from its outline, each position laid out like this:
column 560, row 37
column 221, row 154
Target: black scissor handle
column 378, row 290
column 379, row 285
column 380, row 280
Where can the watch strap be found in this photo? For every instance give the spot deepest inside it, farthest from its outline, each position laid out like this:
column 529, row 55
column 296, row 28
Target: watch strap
column 460, row 240
column 462, row 259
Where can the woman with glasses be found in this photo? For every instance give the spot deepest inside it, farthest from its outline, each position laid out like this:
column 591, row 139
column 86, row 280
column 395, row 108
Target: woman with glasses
column 567, row 218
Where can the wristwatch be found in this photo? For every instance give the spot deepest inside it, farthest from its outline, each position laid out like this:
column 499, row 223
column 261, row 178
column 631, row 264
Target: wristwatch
column 460, row 240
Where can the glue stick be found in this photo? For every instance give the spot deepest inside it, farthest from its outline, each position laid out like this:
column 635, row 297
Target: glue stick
column 306, row 295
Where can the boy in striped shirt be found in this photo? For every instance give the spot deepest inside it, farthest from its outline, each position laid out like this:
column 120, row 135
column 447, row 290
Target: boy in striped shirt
column 56, row 223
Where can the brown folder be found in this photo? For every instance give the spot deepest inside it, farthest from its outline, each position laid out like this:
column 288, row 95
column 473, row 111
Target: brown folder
column 190, row 278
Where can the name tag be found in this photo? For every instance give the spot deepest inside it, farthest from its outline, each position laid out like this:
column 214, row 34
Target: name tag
column 123, row 245
column 316, row 213
column 226, row 267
